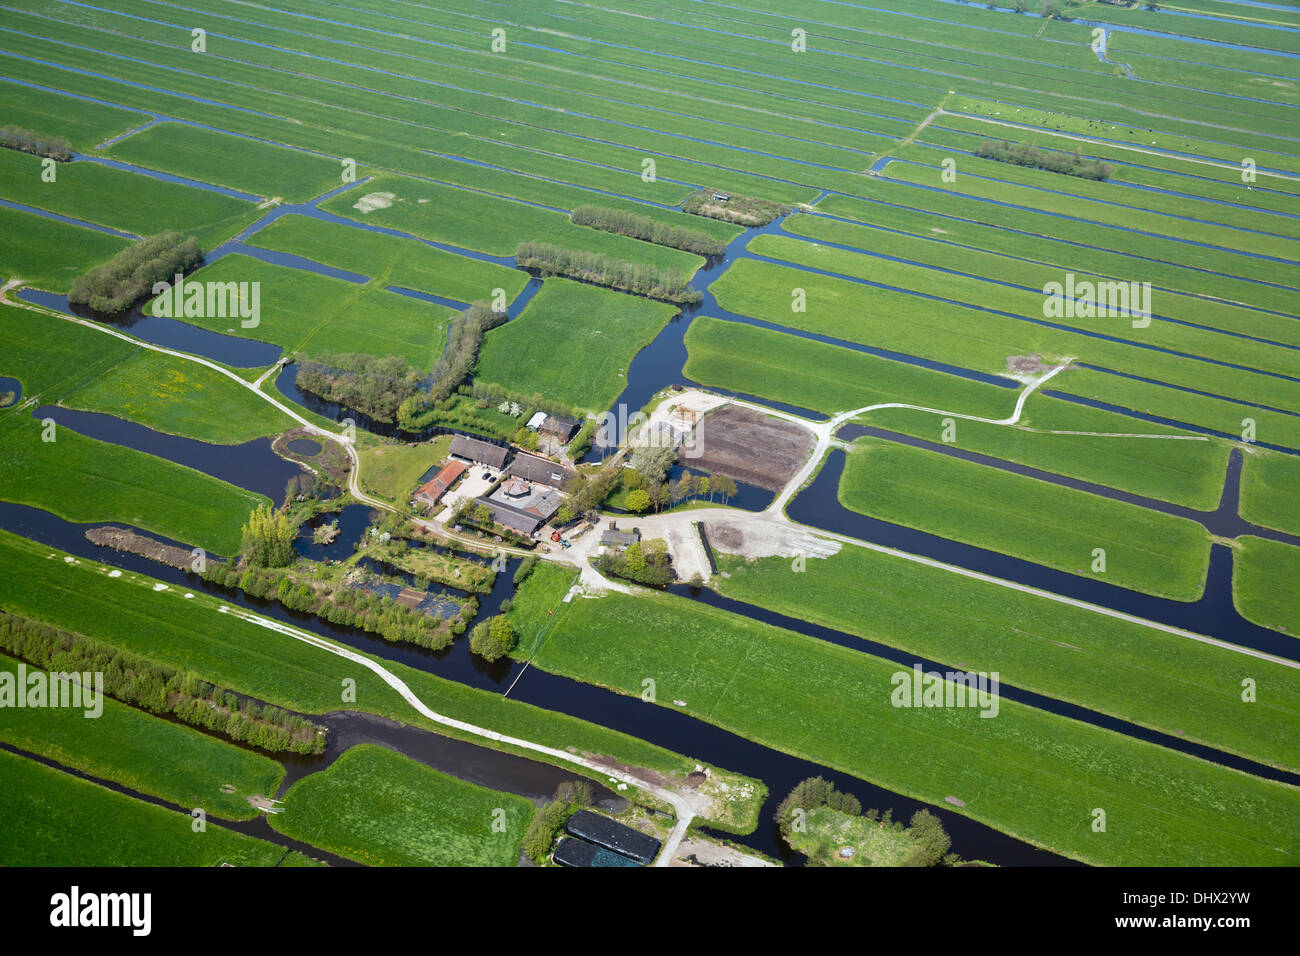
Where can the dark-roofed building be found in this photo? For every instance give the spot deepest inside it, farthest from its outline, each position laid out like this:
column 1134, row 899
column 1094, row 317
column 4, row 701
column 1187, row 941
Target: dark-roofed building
column 573, row 852
column 559, row 426
column 432, row 491
column 521, row 505
column 612, row 835
column 538, row 469
column 482, row 452
column 613, row 538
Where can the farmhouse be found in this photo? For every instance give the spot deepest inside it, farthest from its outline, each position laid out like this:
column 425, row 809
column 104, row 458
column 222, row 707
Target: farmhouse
column 559, row 426
column 537, row 469
column 430, row 493
column 478, row 452
column 522, row 506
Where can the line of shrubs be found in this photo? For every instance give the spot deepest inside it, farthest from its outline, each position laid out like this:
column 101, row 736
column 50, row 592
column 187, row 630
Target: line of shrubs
column 464, row 338
column 1022, row 154
column 159, row 689
column 350, row 607
column 626, row 223
column 25, row 141
column 636, row 277
column 131, row 274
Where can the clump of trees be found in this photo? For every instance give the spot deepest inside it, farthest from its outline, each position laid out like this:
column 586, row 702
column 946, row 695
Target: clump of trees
column 268, row 538
column 343, row 605
column 635, row 277
column 930, row 841
column 376, row 386
column 1022, row 154
column 570, row 797
column 586, row 492
column 746, row 210
column 160, row 689
column 645, row 562
column 494, row 638
column 464, row 338
column 25, row 141
column 131, row 274
column 643, row 227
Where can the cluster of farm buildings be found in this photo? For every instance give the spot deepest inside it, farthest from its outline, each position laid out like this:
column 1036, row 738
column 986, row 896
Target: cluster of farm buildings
column 525, row 492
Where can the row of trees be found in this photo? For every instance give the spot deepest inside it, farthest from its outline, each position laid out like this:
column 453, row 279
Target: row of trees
column 1022, row 154
column 131, row 274
column 346, row 606
column 464, row 338
column 160, row 689
column 930, row 841
column 376, row 386
column 643, row 227
column 25, row 141
column 646, row 494
column 635, row 277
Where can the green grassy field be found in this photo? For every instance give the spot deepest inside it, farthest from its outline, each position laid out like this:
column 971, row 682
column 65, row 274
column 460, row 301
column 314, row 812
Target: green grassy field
column 123, row 200
column 635, row 104
column 573, row 343
column 380, row 808
column 392, row 471
column 247, row 165
column 535, row 604
column 1263, row 583
column 54, row 819
column 180, row 397
column 1270, row 491
column 146, row 753
column 489, row 224
column 86, row 125
column 981, row 341
column 1188, row 472
column 1024, row 772
column 52, row 357
column 50, row 254
column 825, row 378
column 82, row 479
column 193, row 634
column 1179, row 687
column 1028, row 518
column 309, row 313
column 986, row 285
column 389, row 260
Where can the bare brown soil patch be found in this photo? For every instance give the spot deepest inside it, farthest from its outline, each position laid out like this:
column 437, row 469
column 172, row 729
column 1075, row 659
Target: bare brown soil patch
column 749, row 446
column 120, row 539
column 1027, row 365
